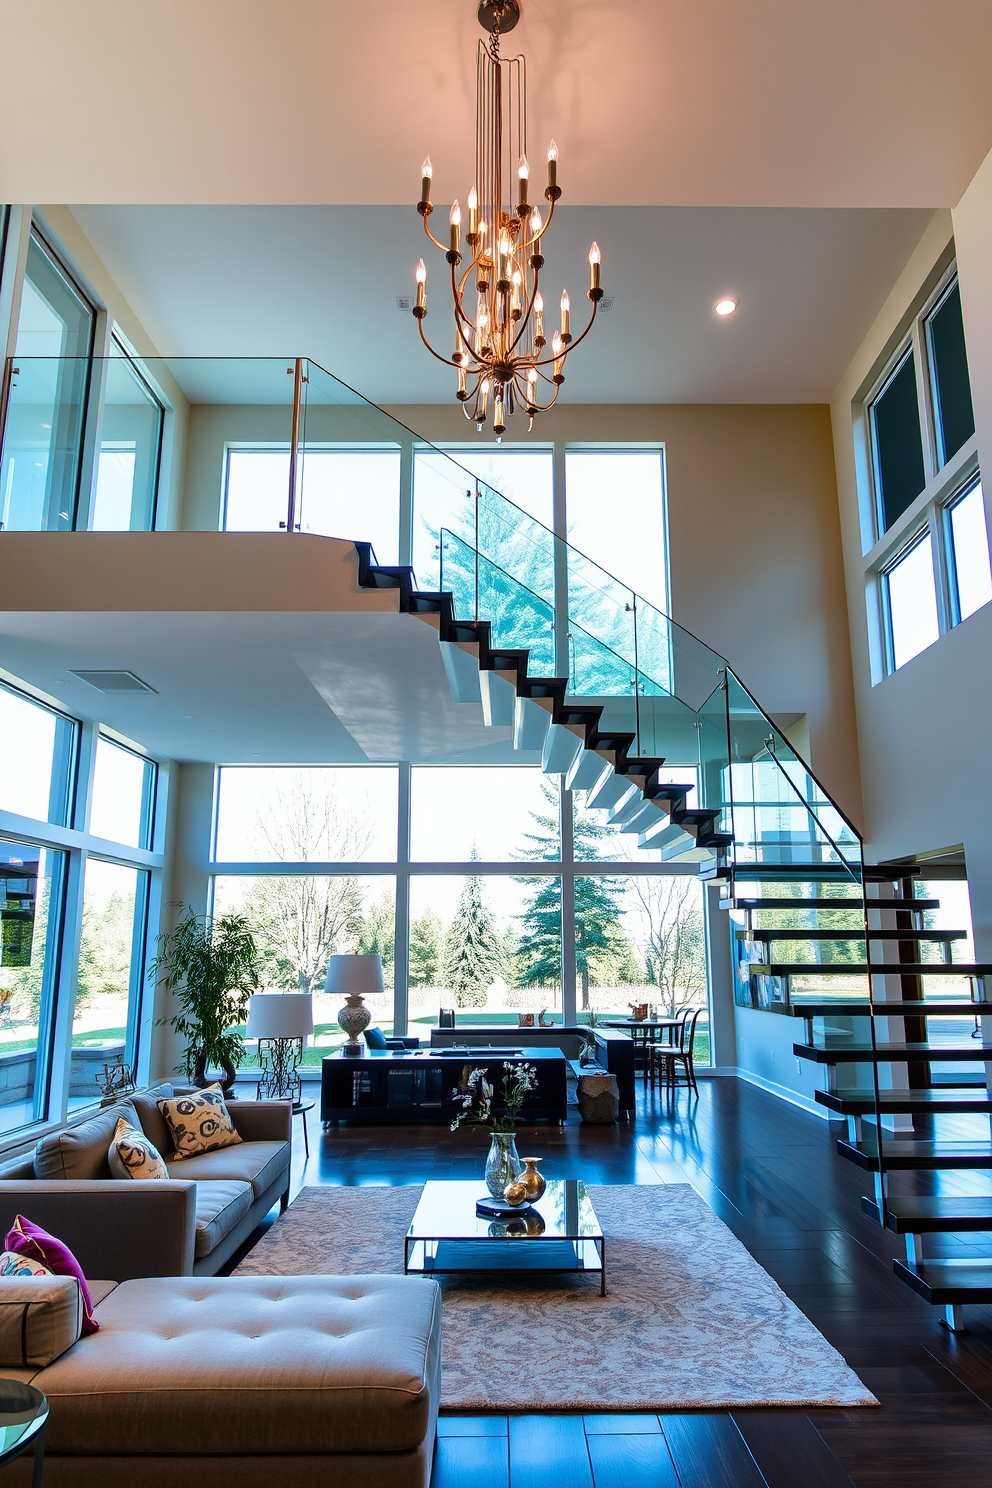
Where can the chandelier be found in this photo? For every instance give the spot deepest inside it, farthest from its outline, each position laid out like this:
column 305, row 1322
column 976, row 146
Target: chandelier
column 501, row 350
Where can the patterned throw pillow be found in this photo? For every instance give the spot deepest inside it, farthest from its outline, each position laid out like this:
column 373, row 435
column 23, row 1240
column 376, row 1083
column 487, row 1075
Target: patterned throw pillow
column 199, row 1122
column 13, row 1264
column 29, row 1240
column 132, row 1155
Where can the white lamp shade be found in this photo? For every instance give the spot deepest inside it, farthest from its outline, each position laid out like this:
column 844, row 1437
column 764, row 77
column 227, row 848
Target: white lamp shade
column 280, row 1015
column 349, row 974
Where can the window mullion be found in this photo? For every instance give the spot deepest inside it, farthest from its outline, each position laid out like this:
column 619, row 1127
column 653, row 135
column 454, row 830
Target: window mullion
column 942, row 576
column 921, row 364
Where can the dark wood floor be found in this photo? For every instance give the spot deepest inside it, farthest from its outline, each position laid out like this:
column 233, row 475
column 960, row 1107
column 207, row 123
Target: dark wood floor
column 770, row 1172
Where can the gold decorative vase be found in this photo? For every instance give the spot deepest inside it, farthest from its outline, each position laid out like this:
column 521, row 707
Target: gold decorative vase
column 514, row 1193
column 531, row 1180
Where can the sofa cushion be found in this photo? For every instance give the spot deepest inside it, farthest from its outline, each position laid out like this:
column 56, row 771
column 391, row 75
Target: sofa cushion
column 245, row 1364
column 257, row 1163
column 132, row 1155
column 81, row 1151
column 219, row 1207
column 199, row 1122
column 40, row 1317
column 150, row 1118
column 31, row 1240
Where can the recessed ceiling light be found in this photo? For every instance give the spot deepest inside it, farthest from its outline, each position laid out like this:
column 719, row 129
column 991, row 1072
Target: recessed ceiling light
column 725, row 307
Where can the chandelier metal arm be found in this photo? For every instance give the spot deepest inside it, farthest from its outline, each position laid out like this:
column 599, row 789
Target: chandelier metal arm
column 550, row 361
column 434, row 239
column 446, row 360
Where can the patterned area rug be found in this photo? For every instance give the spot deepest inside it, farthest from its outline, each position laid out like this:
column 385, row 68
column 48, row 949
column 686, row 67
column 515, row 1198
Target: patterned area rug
column 691, row 1319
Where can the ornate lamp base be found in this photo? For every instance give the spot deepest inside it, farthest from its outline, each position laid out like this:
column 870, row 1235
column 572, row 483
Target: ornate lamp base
column 280, row 1059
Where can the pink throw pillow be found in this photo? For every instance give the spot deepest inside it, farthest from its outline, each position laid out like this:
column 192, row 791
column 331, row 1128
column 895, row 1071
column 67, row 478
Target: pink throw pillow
column 30, row 1240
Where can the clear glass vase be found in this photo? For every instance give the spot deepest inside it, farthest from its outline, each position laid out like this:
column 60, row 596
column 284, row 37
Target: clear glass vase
column 502, row 1164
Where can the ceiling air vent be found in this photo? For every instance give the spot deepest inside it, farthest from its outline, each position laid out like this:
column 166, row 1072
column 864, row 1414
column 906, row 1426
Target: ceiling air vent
column 113, row 681
column 404, row 304
column 606, row 304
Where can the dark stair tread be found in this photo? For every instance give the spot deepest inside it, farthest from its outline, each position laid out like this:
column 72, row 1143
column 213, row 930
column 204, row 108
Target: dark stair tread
column 857, row 1053
column 909, row 1154
column 814, row 932
column 829, row 904
column 876, row 968
column 853, row 1102
column 948, row 1214
column 944, row 1282
column 810, row 1005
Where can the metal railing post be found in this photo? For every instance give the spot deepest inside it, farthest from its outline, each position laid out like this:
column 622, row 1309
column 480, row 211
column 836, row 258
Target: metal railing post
column 294, row 444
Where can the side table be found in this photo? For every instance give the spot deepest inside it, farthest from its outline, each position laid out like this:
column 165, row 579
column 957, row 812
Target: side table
column 23, row 1418
column 300, row 1108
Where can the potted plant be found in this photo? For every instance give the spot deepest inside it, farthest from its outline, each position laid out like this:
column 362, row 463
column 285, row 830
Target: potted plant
column 481, row 1105
column 211, row 967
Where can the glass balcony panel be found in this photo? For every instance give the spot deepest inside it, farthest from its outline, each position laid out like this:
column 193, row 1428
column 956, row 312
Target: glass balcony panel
column 130, row 451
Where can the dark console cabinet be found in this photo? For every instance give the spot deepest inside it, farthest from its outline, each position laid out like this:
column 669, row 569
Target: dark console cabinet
column 385, row 1085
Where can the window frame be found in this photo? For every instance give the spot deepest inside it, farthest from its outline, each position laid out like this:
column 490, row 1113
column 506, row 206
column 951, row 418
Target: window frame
column 945, row 484
column 920, row 535
column 964, row 489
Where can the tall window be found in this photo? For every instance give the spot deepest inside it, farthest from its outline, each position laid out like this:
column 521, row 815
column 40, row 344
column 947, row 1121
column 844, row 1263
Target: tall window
column 349, row 493
column 43, row 435
column 37, row 758
column 123, row 795
column 130, row 450
column 930, row 563
column 911, row 602
column 446, row 513
column 323, row 861
column 84, row 952
column 32, row 884
column 111, row 965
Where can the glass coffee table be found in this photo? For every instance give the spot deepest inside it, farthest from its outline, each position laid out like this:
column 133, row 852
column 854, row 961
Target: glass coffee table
column 560, row 1233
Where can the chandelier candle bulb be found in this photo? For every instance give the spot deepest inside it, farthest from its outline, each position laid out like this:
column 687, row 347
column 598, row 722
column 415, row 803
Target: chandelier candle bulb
column 473, row 213
column 421, row 287
column 426, row 176
column 566, row 306
column 556, row 352
column 595, row 259
column 523, row 175
column 462, row 394
column 515, row 303
column 538, row 323
column 455, row 222
column 484, row 390
column 498, row 425
column 552, row 166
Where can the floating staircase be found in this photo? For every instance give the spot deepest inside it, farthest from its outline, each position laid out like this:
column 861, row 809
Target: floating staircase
column 789, row 864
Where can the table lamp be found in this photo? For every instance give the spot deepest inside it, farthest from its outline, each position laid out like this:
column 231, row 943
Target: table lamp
column 281, row 1021
column 354, row 977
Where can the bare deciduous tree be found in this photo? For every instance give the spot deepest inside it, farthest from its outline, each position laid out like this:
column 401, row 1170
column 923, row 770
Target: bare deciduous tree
column 302, row 921
column 673, row 946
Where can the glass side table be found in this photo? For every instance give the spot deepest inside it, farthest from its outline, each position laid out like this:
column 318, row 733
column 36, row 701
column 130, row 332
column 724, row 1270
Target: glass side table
column 23, row 1418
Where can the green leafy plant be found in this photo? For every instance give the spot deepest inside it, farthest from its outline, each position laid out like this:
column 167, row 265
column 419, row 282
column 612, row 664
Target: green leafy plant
column 211, row 967
column 481, row 1105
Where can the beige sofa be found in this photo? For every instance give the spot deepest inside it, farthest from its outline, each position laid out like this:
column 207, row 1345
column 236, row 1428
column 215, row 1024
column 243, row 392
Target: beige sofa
column 186, row 1225
column 260, row 1381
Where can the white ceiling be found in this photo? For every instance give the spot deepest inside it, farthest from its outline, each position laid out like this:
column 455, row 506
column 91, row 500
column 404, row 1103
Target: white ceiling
column 322, row 281
column 713, row 102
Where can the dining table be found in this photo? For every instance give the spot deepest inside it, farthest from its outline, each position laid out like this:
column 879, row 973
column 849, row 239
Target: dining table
column 644, row 1031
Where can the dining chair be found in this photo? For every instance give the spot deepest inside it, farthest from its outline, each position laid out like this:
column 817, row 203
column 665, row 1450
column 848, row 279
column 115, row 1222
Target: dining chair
column 671, row 1059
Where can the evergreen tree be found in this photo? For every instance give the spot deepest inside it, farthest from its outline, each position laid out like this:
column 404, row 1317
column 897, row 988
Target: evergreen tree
column 377, row 935
column 598, row 931
column 473, row 952
column 426, row 950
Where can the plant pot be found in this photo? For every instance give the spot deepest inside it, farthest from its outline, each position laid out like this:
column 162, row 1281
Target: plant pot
column 201, row 1079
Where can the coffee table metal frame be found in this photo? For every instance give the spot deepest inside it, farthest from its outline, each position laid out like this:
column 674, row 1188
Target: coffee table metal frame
column 17, row 1403
column 432, row 1248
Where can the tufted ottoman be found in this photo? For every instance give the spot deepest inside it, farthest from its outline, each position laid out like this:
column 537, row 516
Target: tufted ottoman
column 308, row 1380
